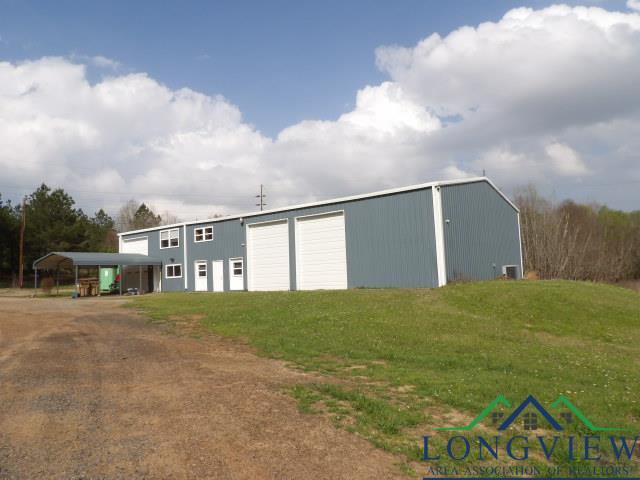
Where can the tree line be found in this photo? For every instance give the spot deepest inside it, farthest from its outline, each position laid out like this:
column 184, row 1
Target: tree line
column 578, row 241
column 52, row 222
column 560, row 239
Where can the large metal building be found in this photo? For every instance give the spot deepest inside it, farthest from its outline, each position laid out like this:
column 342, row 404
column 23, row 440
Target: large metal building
column 418, row 236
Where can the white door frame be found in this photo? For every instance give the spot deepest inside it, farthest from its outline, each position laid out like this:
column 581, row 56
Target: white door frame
column 198, row 279
column 236, row 283
column 218, row 286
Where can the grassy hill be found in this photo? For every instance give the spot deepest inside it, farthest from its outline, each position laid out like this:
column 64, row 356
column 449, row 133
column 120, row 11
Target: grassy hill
column 405, row 358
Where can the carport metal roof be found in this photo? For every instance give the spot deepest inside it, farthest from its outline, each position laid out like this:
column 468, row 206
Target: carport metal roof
column 56, row 260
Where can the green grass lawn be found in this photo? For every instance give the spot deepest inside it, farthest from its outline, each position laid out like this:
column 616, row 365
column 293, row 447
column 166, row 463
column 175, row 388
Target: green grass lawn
column 408, row 354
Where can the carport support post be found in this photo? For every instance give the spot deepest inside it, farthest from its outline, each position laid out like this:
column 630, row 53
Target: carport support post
column 121, row 278
column 76, row 280
column 140, row 279
column 57, row 281
column 35, row 282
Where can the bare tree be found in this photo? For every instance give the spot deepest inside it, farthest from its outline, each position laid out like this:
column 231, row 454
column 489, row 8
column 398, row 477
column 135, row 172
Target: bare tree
column 576, row 241
column 168, row 218
column 133, row 216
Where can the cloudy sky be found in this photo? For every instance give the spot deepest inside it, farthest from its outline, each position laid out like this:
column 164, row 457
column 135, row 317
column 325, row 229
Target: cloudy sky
column 192, row 107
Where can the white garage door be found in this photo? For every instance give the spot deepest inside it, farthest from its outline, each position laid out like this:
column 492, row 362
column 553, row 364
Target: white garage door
column 136, row 245
column 268, row 256
column 321, row 255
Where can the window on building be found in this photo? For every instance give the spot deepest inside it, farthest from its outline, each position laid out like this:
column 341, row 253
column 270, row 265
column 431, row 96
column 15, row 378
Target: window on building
column 203, row 234
column 567, row 417
column 202, row 269
column 237, row 268
column 530, row 421
column 170, row 238
column 496, row 417
column 173, row 271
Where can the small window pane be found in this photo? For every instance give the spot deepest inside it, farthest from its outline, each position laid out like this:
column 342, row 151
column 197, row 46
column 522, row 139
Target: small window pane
column 237, row 268
column 203, row 234
column 174, row 271
column 530, row 421
column 170, row 238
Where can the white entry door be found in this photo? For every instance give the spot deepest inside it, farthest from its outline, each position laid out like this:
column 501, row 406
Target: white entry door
column 268, row 256
column 200, row 272
column 218, row 275
column 236, row 273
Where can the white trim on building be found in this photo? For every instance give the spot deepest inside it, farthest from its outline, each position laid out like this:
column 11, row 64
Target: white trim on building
column 438, row 219
column 335, row 200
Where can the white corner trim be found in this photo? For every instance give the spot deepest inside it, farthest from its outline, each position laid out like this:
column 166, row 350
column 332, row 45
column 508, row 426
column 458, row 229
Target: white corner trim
column 438, row 223
column 185, row 262
column 520, row 244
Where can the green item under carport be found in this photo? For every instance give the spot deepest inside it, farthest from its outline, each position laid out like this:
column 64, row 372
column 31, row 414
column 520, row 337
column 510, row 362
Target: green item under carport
column 108, row 279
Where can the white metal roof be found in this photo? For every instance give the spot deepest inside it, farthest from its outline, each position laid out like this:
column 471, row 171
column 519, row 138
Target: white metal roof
column 379, row 193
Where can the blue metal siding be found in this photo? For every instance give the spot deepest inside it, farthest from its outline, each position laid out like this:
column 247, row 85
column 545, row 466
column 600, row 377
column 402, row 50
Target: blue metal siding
column 390, row 242
column 167, row 255
column 228, row 242
column 390, row 239
column 481, row 234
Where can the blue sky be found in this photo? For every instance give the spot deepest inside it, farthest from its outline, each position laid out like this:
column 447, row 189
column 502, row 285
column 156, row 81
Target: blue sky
column 190, row 106
column 280, row 61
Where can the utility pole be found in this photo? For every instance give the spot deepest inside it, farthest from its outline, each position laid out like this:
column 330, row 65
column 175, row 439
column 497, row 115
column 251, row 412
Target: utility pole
column 262, row 195
column 23, row 224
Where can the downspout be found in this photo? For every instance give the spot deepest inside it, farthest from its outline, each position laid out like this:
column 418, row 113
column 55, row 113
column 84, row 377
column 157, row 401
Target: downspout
column 438, row 223
column 186, row 263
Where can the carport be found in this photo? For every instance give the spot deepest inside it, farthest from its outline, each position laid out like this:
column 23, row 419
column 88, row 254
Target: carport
column 73, row 260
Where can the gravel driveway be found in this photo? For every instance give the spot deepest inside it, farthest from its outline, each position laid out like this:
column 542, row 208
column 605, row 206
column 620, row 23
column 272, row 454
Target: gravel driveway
column 89, row 389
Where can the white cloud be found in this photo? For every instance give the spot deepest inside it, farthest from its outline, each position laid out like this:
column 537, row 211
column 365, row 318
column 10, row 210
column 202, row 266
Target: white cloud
column 542, row 95
column 565, row 160
column 104, row 62
column 98, row 61
column 633, row 5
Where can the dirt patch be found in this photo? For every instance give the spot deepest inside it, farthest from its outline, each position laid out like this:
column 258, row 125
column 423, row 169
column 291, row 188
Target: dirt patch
column 91, row 390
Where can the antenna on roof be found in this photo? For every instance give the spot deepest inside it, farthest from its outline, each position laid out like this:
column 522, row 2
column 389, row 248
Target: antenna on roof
column 262, row 196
